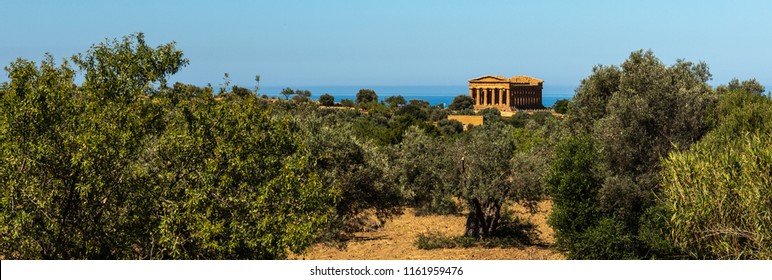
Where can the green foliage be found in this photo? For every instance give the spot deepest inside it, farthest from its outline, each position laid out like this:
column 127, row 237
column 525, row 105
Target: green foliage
column 561, row 106
column 655, row 109
column 520, row 119
column 414, row 111
column 450, row 127
column 395, row 101
column 357, row 168
column 240, row 91
column 541, row 117
column 236, row 185
column 128, row 68
column 365, row 96
column 422, row 169
column 720, row 196
column 299, row 94
column 490, row 115
column 120, row 169
column 636, row 114
column 347, row 103
column 574, row 189
column 743, row 108
column 327, row 100
column 719, row 191
column 492, row 173
column 592, row 95
column 423, row 104
column 287, row 92
column 461, row 102
column 608, row 240
column 437, row 114
column 654, row 234
column 749, row 86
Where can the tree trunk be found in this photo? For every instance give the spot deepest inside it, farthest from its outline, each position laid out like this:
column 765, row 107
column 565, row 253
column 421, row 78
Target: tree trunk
column 483, row 218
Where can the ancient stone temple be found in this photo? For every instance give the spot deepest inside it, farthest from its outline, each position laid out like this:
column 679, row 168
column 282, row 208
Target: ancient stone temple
column 506, row 94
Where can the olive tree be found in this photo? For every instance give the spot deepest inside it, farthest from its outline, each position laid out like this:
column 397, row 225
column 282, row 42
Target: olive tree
column 424, row 170
column 636, row 113
column 365, row 96
column 492, row 173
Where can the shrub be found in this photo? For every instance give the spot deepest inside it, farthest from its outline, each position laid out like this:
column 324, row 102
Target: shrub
column 327, row 100
column 366, row 96
column 347, row 103
column 574, row 189
column 461, row 102
column 721, row 198
column 561, row 106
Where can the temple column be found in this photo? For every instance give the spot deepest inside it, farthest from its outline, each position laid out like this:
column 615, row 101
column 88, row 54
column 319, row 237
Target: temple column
column 484, row 96
column 515, row 98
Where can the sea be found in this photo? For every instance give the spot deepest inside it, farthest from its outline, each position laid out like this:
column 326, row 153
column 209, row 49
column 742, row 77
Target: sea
column 435, row 95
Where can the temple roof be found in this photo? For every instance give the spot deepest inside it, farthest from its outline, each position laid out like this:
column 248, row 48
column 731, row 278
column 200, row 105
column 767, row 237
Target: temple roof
column 501, row 79
column 525, row 80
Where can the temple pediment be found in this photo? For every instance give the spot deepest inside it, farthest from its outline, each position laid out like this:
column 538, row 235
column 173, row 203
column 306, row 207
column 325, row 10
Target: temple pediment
column 489, row 79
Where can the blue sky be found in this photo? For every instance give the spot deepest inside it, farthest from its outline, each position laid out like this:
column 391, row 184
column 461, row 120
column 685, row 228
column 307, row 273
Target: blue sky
column 317, row 43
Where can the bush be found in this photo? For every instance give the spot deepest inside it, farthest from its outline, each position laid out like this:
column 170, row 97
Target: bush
column 422, row 167
column 635, row 113
column 721, row 198
column 347, row 103
column 718, row 194
column 608, row 240
column 490, row 114
column 461, row 102
column 116, row 169
column 574, row 189
column 327, row 100
column 450, row 127
column 366, row 96
column 561, row 106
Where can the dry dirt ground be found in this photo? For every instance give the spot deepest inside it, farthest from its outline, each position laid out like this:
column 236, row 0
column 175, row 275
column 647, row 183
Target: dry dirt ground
column 397, row 240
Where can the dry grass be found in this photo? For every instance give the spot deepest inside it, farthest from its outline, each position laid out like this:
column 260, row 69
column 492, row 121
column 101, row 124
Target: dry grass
column 396, row 240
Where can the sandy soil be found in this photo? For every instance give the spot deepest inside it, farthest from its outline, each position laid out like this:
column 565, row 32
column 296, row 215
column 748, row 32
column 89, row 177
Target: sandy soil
column 396, row 240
